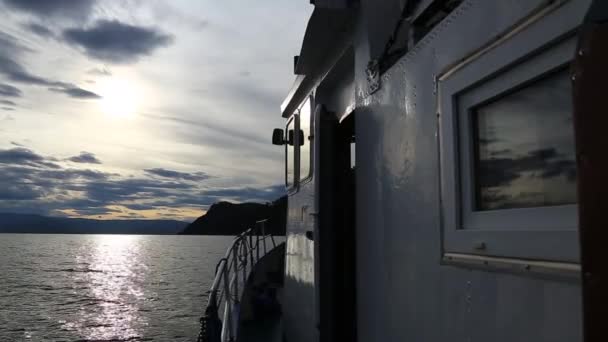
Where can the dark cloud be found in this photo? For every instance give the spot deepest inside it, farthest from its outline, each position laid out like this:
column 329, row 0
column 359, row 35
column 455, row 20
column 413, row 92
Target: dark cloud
column 8, row 109
column 196, row 177
column 9, row 91
column 73, row 9
column 11, row 51
column 18, row 192
column 76, row 92
column 11, row 46
column 99, row 72
column 7, row 103
column 24, row 156
column 85, row 157
column 547, row 163
column 116, row 42
column 17, row 73
column 39, row 30
column 32, row 183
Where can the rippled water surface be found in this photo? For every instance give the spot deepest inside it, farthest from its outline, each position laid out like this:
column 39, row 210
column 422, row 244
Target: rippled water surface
column 104, row 287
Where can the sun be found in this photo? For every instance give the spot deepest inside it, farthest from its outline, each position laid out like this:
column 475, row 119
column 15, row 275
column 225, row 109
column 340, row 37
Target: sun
column 119, row 98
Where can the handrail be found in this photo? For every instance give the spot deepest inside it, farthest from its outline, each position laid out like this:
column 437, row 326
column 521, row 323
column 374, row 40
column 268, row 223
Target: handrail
column 231, row 275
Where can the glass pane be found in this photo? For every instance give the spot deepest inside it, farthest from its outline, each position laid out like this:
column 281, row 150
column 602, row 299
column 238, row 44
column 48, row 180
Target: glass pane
column 353, row 155
column 305, row 144
column 289, row 153
column 525, row 147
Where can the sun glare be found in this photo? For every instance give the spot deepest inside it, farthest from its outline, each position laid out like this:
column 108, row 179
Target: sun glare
column 120, row 98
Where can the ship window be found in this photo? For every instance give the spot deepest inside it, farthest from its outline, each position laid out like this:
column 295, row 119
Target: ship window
column 508, row 168
column 290, row 153
column 524, row 147
column 305, row 144
column 353, row 155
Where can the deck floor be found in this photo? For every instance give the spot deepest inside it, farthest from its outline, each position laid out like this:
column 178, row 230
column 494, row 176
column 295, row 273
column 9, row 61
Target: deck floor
column 267, row 330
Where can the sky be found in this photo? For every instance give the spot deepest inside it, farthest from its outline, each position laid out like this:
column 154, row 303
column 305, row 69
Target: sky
column 143, row 109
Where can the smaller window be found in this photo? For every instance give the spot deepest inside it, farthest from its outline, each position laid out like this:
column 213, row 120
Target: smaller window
column 524, row 147
column 305, row 140
column 290, row 153
column 508, row 175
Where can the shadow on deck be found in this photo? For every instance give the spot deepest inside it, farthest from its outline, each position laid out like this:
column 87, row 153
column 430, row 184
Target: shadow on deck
column 260, row 316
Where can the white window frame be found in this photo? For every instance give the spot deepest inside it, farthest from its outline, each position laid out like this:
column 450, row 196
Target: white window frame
column 308, row 177
column 295, row 156
column 543, row 233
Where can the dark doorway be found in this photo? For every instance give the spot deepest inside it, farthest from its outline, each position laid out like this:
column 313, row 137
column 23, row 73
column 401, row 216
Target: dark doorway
column 336, row 228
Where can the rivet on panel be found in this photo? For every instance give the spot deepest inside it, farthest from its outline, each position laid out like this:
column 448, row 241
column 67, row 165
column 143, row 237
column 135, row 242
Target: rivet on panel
column 480, row 245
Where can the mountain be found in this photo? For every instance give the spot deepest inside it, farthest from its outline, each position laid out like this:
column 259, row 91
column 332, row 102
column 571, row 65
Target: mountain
column 37, row 224
column 225, row 218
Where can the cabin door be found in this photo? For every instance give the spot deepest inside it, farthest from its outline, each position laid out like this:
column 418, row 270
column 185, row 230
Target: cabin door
column 335, row 228
column 590, row 121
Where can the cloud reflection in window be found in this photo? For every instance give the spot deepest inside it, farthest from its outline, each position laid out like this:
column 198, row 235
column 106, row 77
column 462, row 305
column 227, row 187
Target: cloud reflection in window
column 525, row 147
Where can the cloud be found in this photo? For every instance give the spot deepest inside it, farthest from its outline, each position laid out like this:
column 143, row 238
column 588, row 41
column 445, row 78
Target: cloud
column 72, row 9
column 24, row 156
column 30, row 182
column 544, row 163
column 75, row 92
column 18, row 192
column 196, row 177
column 16, row 73
column 11, row 46
column 7, row 103
column 8, row 109
column 10, row 51
column 86, row 158
column 242, row 194
column 9, row 91
column 116, row 42
column 99, row 72
column 39, row 30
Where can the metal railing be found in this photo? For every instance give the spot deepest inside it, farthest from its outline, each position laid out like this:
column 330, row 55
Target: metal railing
column 231, row 275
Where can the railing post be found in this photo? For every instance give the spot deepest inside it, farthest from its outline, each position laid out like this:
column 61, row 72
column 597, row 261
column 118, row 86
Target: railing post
column 257, row 246
column 243, row 255
column 251, row 248
column 236, row 271
column 263, row 225
column 228, row 305
column 242, row 251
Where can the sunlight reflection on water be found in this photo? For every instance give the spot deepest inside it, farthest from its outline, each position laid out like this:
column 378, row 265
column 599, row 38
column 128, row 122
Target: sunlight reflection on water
column 115, row 277
column 104, row 288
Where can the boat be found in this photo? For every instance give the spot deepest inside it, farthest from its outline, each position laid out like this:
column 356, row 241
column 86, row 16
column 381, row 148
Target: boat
column 441, row 159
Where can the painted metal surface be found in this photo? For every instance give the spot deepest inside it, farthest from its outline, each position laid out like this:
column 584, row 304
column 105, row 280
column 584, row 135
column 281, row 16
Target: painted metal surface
column 299, row 291
column 590, row 120
column 405, row 290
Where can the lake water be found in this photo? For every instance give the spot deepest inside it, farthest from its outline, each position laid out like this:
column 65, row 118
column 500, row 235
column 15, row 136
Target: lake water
column 105, row 287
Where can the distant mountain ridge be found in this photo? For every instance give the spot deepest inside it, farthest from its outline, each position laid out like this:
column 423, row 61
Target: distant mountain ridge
column 38, row 224
column 225, row 218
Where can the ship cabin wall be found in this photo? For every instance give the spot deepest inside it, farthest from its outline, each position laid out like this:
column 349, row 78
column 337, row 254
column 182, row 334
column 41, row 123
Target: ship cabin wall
column 330, row 86
column 418, row 278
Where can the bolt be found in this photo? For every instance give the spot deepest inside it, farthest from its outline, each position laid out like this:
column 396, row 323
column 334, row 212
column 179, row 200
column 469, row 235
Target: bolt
column 480, row 245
